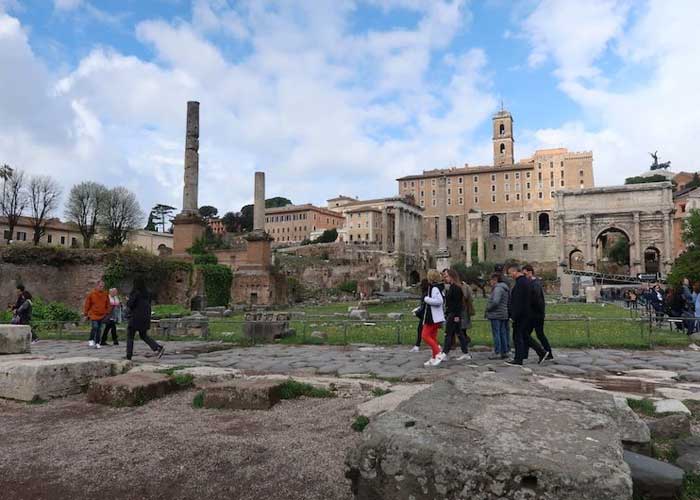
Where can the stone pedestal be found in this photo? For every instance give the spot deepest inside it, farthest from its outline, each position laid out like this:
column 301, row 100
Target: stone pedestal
column 15, row 339
column 187, row 229
column 243, row 395
column 443, row 260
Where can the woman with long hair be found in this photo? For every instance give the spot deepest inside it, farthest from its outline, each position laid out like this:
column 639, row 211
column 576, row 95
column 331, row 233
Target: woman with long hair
column 454, row 308
column 139, row 305
column 114, row 317
column 420, row 313
column 433, row 317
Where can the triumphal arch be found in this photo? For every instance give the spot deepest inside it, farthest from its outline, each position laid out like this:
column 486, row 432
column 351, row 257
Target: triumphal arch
column 618, row 229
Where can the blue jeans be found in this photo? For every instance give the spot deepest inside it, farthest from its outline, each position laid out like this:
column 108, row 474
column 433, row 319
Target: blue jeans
column 96, row 330
column 499, row 332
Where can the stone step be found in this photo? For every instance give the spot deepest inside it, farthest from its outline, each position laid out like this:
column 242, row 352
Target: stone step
column 243, row 395
column 15, row 339
column 130, row 389
column 40, row 379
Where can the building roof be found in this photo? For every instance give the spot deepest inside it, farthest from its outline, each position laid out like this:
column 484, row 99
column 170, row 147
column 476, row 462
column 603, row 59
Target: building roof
column 364, row 209
column 439, row 172
column 342, row 198
column 302, row 208
column 52, row 223
column 391, row 199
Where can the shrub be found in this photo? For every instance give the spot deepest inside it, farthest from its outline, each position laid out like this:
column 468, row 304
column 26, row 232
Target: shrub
column 292, row 389
column 643, row 406
column 198, row 401
column 183, row 380
column 360, row 423
column 687, row 265
column 217, row 283
column 348, row 286
column 53, row 312
column 328, row 236
column 139, row 264
column 205, row 258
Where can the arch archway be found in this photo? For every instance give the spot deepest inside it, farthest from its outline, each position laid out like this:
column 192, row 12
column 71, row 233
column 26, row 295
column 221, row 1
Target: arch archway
column 494, row 225
column 652, row 260
column 543, row 223
column 503, row 149
column 413, row 277
column 577, row 262
column 501, row 129
column 612, row 247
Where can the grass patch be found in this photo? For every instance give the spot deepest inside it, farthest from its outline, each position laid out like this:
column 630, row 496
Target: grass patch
column 642, row 406
column 663, row 449
column 171, row 371
column 166, row 310
column 38, row 401
column 691, row 487
column 378, row 391
column 183, row 380
column 198, row 400
column 360, row 423
column 292, row 389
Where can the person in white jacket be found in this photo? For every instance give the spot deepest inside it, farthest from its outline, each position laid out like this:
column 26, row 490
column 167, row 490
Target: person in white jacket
column 433, row 317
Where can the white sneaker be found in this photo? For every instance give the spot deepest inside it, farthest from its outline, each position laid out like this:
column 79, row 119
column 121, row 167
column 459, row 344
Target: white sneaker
column 415, row 348
column 91, row 344
column 464, row 357
column 442, row 357
column 429, row 362
column 694, row 347
column 437, row 360
column 98, row 346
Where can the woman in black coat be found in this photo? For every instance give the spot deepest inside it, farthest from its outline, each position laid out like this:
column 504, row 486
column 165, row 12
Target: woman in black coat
column 139, row 306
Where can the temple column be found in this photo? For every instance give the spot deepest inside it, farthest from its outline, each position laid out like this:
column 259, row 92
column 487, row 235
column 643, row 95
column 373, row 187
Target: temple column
column 190, row 190
column 590, row 266
column 259, row 203
column 468, row 240
column 385, row 229
column 480, row 238
column 667, row 242
column 562, row 242
column 636, row 262
column 398, row 247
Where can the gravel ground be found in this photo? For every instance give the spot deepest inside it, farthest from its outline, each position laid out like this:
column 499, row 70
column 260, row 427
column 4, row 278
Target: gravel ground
column 69, row 449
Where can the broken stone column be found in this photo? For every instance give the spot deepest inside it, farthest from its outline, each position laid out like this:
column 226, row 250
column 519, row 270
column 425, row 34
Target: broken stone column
column 191, row 189
column 259, row 206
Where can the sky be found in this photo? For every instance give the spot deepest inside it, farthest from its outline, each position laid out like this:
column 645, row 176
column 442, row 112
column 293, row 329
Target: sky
column 334, row 97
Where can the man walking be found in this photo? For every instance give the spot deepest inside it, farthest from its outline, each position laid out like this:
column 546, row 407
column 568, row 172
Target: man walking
column 96, row 309
column 538, row 309
column 520, row 309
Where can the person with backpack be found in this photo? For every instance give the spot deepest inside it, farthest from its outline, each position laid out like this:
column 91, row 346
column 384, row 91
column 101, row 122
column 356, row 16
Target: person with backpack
column 497, row 314
column 454, row 309
column 139, row 308
column 22, row 311
column 433, row 317
column 420, row 312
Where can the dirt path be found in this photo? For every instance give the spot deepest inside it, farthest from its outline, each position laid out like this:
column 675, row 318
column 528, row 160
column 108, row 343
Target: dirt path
column 68, row 449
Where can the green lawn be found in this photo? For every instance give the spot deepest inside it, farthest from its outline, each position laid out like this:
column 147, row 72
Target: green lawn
column 567, row 325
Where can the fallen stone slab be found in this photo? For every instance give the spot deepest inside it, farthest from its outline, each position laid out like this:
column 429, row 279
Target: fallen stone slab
column 670, row 427
column 653, row 374
column 670, row 406
column 653, row 479
column 130, row 389
column 493, row 436
column 39, row 379
column 379, row 405
column 243, row 395
column 208, row 375
column 679, row 394
column 15, row 339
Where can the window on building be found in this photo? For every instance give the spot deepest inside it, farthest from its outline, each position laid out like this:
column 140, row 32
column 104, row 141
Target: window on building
column 562, row 183
column 539, row 176
column 510, row 247
column 507, row 197
column 476, row 200
column 449, row 201
column 461, row 201
column 539, row 195
column 449, row 191
column 493, row 188
column 525, row 246
column 404, row 183
column 580, row 173
column 74, row 242
column 503, row 149
column 529, row 196
column 413, row 184
column 460, row 191
column 476, row 178
column 494, row 246
column 476, row 189
column 460, row 180
column 539, row 165
column 422, row 204
column 493, row 177
column 527, row 185
column 434, row 202
column 551, row 182
column 7, row 235
column 49, row 238
column 502, row 129
column 517, row 196
column 433, row 193
column 561, row 174
column 493, row 198
column 422, row 193
column 581, row 182
column 529, row 217
column 551, row 164
column 506, row 176
column 528, row 174
column 432, row 181
column 551, row 194
column 561, row 164
column 517, row 175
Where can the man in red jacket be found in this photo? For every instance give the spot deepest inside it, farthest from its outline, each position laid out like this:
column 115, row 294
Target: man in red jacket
column 96, row 308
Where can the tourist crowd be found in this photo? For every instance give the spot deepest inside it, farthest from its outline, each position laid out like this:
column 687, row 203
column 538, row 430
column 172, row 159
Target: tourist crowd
column 446, row 301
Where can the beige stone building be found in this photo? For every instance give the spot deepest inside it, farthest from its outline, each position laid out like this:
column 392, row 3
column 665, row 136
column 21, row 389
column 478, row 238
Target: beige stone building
column 295, row 223
column 379, row 221
column 151, row 241
column 509, row 204
column 57, row 233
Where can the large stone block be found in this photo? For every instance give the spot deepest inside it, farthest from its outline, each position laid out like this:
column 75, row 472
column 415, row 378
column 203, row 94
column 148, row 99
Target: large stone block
column 130, row 389
column 29, row 380
column 493, row 436
column 653, row 479
column 243, row 395
column 15, row 339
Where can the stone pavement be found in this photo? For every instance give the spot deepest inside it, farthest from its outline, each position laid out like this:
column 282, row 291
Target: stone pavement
column 393, row 363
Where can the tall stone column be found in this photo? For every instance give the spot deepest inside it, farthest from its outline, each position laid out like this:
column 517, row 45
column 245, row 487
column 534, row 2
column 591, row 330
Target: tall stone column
column 442, row 220
column 667, row 242
column 398, row 244
column 589, row 245
column 468, row 240
column 636, row 261
column 480, row 238
column 190, row 191
column 562, row 241
column 259, row 203
column 385, row 229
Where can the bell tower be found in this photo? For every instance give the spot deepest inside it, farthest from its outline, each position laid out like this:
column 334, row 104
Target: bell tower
column 502, row 138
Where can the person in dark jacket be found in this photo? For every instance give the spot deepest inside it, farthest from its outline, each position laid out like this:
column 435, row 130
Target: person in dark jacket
column 497, row 314
column 454, row 309
column 520, row 309
column 538, row 309
column 139, row 306
column 420, row 312
column 22, row 310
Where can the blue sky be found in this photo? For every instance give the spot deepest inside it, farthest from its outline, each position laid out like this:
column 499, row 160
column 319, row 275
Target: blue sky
column 339, row 96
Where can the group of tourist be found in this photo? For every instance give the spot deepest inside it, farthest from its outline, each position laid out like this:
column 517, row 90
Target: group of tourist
column 105, row 309
column 447, row 301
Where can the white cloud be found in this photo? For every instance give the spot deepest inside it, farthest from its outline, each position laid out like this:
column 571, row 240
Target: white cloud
column 634, row 76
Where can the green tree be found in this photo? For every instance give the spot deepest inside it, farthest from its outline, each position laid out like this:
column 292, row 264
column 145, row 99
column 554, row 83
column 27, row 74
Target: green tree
column 641, row 179
column 162, row 214
column 328, row 236
column 695, row 182
column 247, row 211
column 477, row 274
column 85, row 206
column 232, row 222
column 686, row 265
column 151, row 224
column 619, row 252
column 207, row 211
column 691, row 229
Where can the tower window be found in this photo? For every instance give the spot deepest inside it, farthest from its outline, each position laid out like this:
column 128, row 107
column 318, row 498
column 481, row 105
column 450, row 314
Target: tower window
column 476, row 178
column 503, row 149
column 525, row 246
column 506, row 176
column 502, row 129
column 493, row 177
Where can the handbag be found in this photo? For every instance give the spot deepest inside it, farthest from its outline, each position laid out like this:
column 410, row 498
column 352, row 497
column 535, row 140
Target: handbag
column 420, row 311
